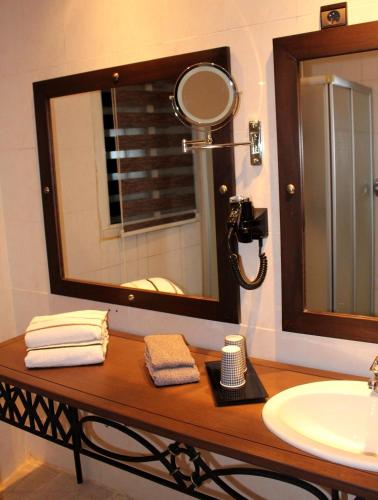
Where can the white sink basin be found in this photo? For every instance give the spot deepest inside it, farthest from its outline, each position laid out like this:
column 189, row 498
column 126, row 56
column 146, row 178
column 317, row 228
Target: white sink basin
column 334, row 420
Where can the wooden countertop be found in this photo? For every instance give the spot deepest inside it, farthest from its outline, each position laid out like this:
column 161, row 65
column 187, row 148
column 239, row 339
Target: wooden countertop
column 122, row 390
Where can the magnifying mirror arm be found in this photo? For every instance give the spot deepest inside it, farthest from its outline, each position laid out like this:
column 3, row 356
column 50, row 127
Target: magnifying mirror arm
column 254, row 143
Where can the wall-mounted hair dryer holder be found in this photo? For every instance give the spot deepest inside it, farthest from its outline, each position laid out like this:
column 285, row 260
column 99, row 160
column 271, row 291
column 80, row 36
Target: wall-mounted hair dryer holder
column 245, row 224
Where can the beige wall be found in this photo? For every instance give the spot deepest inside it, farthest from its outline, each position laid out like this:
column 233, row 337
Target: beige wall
column 12, row 443
column 42, row 39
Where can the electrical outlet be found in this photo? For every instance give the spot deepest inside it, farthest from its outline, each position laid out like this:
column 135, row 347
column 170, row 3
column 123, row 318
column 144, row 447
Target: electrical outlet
column 333, row 15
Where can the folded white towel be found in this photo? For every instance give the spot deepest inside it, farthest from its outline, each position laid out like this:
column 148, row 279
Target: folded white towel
column 67, row 356
column 72, row 328
column 155, row 284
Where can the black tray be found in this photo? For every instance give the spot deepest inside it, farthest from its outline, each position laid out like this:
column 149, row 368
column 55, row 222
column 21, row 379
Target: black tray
column 252, row 391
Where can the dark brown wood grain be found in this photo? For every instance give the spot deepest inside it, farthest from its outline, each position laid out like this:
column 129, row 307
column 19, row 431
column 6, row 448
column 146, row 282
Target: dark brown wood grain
column 226, row 308
column 288, row 53
column 121, row 389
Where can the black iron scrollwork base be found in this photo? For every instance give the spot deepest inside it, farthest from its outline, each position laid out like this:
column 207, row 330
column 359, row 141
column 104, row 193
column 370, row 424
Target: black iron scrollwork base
column 63, row 425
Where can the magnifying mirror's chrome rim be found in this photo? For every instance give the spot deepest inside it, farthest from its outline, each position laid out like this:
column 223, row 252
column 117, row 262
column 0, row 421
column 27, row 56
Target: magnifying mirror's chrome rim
column 224, row 117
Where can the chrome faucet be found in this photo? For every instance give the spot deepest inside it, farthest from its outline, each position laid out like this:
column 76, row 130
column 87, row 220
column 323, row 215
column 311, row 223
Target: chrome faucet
column 373, row 382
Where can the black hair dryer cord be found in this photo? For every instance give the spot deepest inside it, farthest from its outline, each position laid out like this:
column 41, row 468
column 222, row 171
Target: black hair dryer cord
column 240, row 275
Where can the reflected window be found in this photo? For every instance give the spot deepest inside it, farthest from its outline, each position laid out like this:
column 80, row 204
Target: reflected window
column 150, row 181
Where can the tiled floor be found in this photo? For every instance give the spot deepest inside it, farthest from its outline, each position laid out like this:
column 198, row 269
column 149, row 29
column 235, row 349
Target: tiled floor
column 36, row 481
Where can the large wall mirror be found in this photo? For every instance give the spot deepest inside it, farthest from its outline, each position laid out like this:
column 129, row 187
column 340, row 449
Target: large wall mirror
column 327, row 122
column 130, row 219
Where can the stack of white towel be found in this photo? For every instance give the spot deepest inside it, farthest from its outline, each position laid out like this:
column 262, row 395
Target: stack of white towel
column 68, row 339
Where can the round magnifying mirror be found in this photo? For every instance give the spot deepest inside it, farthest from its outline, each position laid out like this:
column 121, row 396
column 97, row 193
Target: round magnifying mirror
column 205, row 95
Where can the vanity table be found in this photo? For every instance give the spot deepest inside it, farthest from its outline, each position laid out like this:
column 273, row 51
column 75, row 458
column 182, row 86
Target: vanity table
column 61, row 404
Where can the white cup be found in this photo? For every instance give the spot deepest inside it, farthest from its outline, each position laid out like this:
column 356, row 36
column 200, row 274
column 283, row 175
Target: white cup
column 238, row 340
column 232, row 374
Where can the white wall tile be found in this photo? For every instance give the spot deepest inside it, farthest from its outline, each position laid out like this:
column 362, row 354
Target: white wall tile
column 92, row 29
column 20, row 185
column 28, row 304
column 246, row 13
column 27, row 256
column 7, row 314
column 17, row 113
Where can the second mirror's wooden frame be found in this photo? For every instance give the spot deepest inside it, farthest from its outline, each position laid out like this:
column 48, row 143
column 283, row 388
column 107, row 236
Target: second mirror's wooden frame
column 288, row 54
column 227, row 307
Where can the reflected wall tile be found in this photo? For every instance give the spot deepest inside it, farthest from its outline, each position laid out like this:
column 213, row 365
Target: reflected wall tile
column 163, row 240
column 142, row 245
column 81, row 237
column 129, row 250
column 130, row 271
column 190, row 234
column 192, row 279
column 135, row 270
column 143, row 269
column 110, row 274
column 167, row 265
column 77, row 186
column 72, row 117
column 110, row 252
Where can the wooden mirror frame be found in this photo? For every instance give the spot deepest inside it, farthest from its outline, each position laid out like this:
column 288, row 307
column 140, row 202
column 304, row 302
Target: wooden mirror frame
column 227, row 307
column 288, row 54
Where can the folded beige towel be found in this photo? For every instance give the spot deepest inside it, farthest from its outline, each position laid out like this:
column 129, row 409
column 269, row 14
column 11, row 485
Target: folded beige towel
column 174, row 376
column 72, row 327
column 167, row 351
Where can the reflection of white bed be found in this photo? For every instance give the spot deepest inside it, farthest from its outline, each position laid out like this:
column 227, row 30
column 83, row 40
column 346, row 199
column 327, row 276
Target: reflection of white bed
column 155, row 285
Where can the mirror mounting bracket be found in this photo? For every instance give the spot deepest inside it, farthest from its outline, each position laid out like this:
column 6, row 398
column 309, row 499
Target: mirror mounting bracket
column 255, row 143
